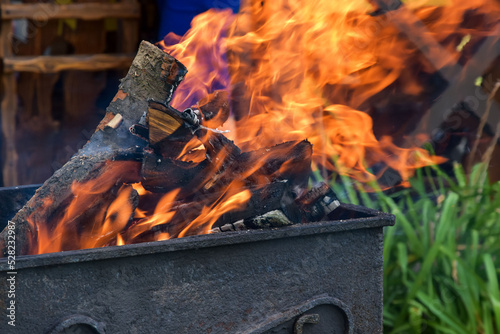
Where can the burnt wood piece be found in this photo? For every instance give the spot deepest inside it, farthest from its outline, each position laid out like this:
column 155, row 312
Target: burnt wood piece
column 277, row 195
column 275, row 218
column 161, row 175
column 217, row 146
column 289, row 161
column 214, row 109
column 281, row 209
column 273, row 196
column 153, row 74
column 163, row 121
column 317, row 203
column 170, row 130
column 226, row 164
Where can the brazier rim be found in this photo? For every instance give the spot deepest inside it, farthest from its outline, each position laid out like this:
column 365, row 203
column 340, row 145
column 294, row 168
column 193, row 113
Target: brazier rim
column 372, row 219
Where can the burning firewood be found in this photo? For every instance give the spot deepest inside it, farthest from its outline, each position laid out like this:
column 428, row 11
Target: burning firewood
column 152, row 172
column 170, row 131
column 153, row 74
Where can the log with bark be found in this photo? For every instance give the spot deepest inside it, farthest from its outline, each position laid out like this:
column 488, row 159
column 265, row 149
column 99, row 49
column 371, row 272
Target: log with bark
column 152, row 75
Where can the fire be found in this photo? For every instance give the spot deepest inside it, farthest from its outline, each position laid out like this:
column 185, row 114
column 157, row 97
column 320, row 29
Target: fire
column 295, row 70
column 98, row 200
column 113, row 221
column 210, row 214
column 315, row 69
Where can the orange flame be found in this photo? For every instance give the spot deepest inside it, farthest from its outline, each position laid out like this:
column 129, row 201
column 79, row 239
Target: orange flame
column 314, row 69
column 209, row 215
column 112, row 220
column 94, row 202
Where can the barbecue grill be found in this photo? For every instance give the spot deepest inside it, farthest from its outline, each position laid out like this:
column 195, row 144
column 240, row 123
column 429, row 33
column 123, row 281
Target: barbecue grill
column 323, row 277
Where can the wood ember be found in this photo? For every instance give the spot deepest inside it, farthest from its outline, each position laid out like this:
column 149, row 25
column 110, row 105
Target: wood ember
column 236, row 226
column 318, row 203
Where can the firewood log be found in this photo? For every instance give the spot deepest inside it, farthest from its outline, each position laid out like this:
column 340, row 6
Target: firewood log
column 152, row 75
column 225, row 164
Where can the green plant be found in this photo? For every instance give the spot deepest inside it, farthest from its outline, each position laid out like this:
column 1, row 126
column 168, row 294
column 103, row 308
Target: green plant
column 442, row 258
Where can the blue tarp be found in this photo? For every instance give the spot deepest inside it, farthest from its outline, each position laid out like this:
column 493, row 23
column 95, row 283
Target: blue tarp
column 176, row 15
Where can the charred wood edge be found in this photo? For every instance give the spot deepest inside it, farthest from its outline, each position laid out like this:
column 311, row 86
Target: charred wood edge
column 214, row 109
column 236, row 164
column 274, row 196
column 140, row 131
column 133, row 154
column 160, row 175
column 314, row 205
column 318, row 202
column 270, row 197
column 215, row 143
column 153, row 74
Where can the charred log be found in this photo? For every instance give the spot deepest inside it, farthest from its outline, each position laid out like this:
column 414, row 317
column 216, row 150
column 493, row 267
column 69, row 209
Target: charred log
column 273, row 196
column 317, row 203
column 214, row 109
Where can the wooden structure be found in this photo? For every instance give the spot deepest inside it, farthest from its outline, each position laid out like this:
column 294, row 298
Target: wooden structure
column 48, row 67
